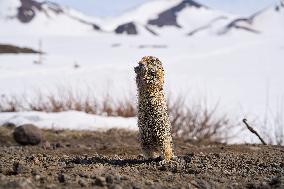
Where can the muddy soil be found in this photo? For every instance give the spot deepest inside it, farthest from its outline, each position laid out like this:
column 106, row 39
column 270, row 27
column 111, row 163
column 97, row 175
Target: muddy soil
column 112, row 159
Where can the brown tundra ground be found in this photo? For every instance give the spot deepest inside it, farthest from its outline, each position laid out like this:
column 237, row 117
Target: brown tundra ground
column 112, row 159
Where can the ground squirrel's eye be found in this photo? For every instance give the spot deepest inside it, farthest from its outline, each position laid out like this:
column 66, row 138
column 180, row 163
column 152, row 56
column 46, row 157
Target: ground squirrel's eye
column 152, row 72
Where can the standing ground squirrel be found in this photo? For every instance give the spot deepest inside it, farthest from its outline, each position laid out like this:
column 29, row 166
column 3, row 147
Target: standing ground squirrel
column 153, row 120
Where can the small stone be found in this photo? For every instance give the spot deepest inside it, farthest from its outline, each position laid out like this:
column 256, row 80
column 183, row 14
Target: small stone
column 84, row 175
column 277, row 181
column 58, row 145
column 124, row 178
column 117, row 178
column 149, row 182
column 109, row 179
column 46, row 145
column 51, row 186
column 203, row 184
column 115, row 186
column 61, row 164
column 27, row 135
column 22, row 183
column 162, row 168
column 35, row 161
column 136, row 187
column 37, row 177
column 157, row 180
column 82, row 183
column 100, row 181
column 34, row 172
column 191, row 171
column 140, row 156
column 193, row 183
column 18, row 168
column 61, row 178
column 68, row 145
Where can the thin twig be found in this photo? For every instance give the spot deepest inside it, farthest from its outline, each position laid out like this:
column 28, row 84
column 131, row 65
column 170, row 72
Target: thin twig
column 254, row 132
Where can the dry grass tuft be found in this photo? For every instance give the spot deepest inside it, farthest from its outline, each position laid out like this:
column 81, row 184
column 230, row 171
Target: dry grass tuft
column 199, row 123
column 193, row 123
column 68, row 100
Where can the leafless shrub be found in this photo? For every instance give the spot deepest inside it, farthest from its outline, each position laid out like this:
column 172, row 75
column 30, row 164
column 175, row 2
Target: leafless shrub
column 273, row 124
column 9, row 104
column 67, row 100
column 193, row 123
column 278, row 122
column 279, row 133
column 198, row 122
column 113, row 107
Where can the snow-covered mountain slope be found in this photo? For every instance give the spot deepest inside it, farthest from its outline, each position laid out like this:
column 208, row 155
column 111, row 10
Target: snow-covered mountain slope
column 267, row 21
column 43, row 18
column 157, row 17
column 188, row 17
column 141, row 14
column 163, row 17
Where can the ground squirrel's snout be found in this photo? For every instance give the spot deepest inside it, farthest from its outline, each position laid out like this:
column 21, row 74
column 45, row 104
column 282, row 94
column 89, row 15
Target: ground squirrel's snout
column 138, row 68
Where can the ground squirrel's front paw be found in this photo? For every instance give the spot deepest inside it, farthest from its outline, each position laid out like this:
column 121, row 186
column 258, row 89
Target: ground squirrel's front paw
column 173, row 160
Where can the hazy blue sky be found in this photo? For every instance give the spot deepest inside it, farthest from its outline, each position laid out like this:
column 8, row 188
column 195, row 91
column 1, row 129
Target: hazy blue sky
column 116, row 7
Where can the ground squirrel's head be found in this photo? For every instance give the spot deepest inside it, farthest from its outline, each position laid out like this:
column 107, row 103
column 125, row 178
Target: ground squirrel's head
column 149, row 73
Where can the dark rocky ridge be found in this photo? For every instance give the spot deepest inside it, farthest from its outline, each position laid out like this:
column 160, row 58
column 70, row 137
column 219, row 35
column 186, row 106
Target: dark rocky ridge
column 238, row 23
column 195, row 31
column 169, row 17
column 128, row 28
column 165, row 18
column 29, row 8
column 7, row 49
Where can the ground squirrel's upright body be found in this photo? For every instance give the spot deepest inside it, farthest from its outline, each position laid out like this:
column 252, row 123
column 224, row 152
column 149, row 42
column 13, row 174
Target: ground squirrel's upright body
column 153, row 120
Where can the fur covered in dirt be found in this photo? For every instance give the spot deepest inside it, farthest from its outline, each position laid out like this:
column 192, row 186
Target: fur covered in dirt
column 112, row 159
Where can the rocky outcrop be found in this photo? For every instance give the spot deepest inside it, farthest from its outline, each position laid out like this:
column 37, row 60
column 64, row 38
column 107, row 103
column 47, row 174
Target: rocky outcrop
column 169, row 17
column 28, row 8
column 128, row 28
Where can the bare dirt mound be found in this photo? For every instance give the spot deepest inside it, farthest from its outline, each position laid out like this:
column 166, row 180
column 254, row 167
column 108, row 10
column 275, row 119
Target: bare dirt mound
column 112, row 160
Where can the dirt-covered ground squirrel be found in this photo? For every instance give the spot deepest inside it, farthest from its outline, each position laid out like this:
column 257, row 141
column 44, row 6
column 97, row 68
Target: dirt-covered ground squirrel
column 153, row 119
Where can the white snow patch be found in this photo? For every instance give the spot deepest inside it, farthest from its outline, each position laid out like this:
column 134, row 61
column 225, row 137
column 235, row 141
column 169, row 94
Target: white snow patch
column 8, row 8
column 72, row 120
